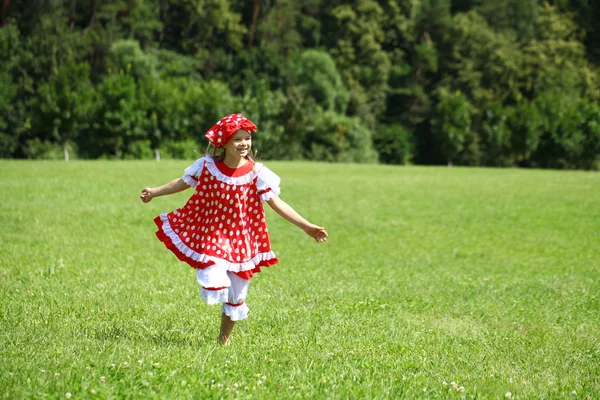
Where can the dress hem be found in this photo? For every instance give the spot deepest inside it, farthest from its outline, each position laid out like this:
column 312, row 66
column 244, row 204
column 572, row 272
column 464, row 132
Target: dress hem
column 196, row 264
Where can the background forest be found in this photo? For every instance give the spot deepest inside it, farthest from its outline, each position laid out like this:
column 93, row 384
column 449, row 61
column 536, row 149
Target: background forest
column 467, row 82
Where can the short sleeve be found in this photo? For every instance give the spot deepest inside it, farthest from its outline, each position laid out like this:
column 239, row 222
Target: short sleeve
column 192, row 173
column 267, row 183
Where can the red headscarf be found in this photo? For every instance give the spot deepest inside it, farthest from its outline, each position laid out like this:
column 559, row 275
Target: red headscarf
column 223, row 130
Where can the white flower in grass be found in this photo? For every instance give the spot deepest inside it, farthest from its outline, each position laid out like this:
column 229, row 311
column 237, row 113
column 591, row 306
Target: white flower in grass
column 508, row 395
column 444, row 384
column 93, row 391
column 112, row 365
column 102, row 379
column 291, row 388
column 125, row 363
column 574, row 393
column 140, row 362
column 68, row 395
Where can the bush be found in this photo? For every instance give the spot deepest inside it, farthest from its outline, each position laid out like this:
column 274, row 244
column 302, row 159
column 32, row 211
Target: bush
column 394, row 144
column 452, row 123
column 334, row 137
column 47, row 150
column 319, row 78
column 187, row 149
column 570, row 133
column 139, row 150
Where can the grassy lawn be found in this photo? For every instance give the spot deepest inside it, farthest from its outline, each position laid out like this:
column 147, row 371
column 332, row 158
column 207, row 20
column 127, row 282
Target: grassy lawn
column 434, row 283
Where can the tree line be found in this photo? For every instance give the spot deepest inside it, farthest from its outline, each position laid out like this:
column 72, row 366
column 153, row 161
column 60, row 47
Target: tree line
column 464, row 82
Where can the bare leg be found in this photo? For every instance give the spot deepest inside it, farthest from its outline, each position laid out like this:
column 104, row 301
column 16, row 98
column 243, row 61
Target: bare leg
column 226, row 327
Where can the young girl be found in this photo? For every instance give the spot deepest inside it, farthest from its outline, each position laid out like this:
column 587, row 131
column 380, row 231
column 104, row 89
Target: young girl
column 221, row 230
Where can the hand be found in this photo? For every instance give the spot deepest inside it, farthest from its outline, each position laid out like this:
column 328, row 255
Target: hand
column 146, row 195
column 316, row 232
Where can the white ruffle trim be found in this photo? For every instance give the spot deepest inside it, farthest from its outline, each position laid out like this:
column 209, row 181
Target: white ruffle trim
column 194, row 255
column 193, row 171
column 214, row 296
column 230, row 180
column 267, row 179
column 190, row 181
column 236, row 313
column 266, row 196
column 196, row 169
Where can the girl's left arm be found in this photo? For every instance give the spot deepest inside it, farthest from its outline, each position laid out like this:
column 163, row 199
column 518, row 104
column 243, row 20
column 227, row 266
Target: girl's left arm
column 288, row 213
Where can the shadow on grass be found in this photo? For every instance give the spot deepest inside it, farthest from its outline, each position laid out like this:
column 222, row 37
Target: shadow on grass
column 166, row 338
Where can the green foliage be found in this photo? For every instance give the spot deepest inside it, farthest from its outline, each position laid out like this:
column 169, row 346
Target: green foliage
column 126, row 55
column 65, row 104
column 495, row 136
column 141, row 20
column 139, row 150
column 279, row 119
column 452, row 123
column 205, row 103
column 8, row 140
column 556, row 60
column 182, row 149
column 394, row 144
column 517, row 16
column 173, row 64
column 37, row 148
column 334, row 137
column 470, row 80
column 356, row 45
column 193, row 27
column 164, row 108
column 525, row 124
column 318, row 78
column 570, row 133
column 119, row 118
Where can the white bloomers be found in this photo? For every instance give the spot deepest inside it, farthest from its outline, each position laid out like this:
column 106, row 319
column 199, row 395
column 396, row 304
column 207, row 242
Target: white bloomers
column 222, row 286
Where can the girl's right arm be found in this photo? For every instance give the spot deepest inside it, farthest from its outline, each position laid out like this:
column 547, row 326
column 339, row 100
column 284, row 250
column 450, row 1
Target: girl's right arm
column 175, row 186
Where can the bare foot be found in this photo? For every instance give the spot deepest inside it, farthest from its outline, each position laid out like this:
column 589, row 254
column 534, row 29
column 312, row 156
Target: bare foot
column 226, row 328
column 223, row 341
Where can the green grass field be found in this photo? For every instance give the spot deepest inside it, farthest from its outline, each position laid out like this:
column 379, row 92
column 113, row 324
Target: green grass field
column 437, row 283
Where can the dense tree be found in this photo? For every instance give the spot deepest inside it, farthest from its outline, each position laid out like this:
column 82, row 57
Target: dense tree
column 469, row 82
column 64, row 105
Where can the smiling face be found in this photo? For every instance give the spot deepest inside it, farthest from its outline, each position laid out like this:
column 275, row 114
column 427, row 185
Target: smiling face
column 239, row 145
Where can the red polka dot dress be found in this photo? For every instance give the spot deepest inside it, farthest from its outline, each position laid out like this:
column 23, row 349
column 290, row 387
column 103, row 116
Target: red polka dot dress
column 221, row 230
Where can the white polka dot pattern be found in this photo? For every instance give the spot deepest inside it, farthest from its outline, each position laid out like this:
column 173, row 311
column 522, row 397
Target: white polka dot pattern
column 229, row 215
